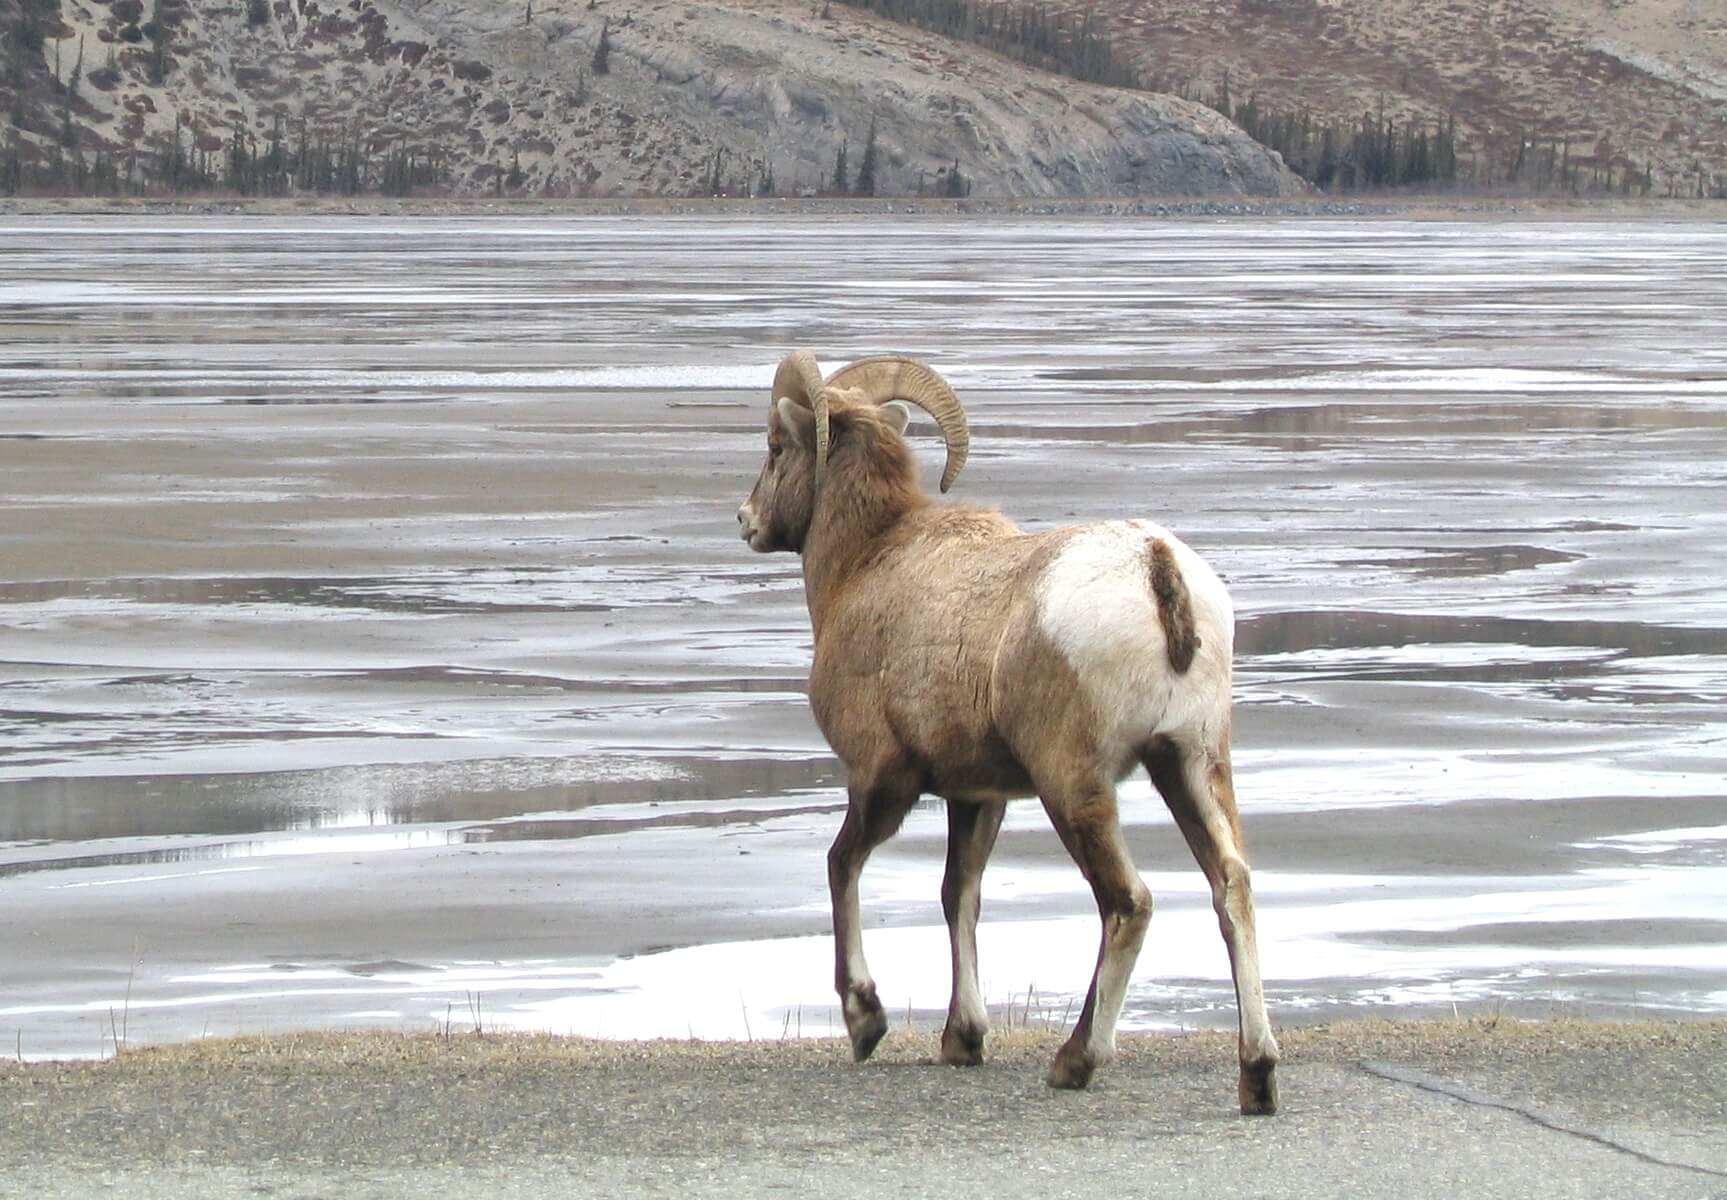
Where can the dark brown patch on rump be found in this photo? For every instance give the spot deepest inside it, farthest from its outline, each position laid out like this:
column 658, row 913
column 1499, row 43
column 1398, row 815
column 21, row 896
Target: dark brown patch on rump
column 1174, row 609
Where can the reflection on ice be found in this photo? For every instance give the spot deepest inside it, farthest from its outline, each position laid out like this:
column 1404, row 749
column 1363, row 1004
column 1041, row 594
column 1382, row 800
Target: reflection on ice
column 1324, row 955
column 1662, row 841
column 1325, row 958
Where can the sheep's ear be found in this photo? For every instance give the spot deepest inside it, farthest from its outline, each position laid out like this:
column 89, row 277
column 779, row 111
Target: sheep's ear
column 797, row 423
column 895, row 416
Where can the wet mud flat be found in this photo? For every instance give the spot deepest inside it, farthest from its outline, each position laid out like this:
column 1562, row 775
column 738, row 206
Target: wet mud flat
column 376, row 647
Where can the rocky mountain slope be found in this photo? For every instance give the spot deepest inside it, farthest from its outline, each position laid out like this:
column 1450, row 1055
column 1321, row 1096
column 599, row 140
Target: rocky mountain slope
column 586, row 97
column 1628, row 82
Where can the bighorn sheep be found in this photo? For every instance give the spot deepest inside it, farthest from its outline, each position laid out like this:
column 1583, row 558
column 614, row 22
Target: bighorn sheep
column 958, row 655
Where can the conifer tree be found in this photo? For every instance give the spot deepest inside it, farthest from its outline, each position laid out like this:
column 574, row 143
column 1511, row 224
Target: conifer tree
column 867, row 168
column 957, row 185
column 603, row 51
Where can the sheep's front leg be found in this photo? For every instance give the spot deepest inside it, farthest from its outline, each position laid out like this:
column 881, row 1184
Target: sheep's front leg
column 971, row 833
column 874, row 811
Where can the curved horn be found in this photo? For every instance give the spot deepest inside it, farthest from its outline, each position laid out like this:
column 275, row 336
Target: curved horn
column 799, row 378
column 822, row 436
column 887, row 377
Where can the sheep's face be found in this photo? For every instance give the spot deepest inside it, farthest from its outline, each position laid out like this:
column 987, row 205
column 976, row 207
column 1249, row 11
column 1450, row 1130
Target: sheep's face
column 777, row 514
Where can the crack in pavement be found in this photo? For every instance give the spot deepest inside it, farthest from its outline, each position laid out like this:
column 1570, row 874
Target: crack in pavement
column 1443, row 1087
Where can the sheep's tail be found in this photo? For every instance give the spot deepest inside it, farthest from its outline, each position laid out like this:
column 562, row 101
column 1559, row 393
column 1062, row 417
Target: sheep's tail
column 1174, row 607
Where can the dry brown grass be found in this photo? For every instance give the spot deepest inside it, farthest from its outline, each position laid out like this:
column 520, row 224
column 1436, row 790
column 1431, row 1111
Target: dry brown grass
column 1491, row 1038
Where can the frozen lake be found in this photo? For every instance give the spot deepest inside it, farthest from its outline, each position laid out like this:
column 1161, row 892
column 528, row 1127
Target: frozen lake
column 376, row 645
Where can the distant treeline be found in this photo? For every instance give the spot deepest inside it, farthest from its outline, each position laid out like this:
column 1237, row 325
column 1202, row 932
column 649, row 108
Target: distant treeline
column 1062, row 44
column 1378, row 152
column 1374, row 153
column 193, row 161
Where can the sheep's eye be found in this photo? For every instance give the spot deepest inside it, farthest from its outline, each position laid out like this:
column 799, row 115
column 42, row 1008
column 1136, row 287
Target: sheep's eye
column 773, row 451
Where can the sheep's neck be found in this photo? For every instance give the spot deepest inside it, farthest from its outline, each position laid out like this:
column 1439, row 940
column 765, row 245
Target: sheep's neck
column 847, row 532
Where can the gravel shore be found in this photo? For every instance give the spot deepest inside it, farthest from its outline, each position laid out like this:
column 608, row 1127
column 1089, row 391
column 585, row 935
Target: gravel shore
column 1438, row 206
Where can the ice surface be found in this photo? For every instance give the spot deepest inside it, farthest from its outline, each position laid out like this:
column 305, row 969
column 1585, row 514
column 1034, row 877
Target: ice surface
column 375, row 638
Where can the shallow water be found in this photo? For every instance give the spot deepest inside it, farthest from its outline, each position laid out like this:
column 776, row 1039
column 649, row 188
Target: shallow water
column 376, row 646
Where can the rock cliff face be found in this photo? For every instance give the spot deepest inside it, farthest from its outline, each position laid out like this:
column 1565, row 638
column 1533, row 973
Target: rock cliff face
column 609, row 98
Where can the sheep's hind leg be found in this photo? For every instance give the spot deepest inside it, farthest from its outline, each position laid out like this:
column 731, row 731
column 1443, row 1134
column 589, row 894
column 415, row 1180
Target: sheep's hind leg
column 1085, row 818
column 873, row 813
column 1200, row 792
column 971, row 833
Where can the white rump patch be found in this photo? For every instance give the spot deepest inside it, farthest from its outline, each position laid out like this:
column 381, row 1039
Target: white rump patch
column 1095, row 604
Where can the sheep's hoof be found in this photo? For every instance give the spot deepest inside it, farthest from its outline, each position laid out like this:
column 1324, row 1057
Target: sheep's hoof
column 1072, row 1068
column 962, row 1045
column 866, row 1023
column 866, row 1035
column 1258, row 1089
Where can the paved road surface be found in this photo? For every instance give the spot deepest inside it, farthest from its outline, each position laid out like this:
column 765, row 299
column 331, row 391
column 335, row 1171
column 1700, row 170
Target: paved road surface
column 1567, row 1109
